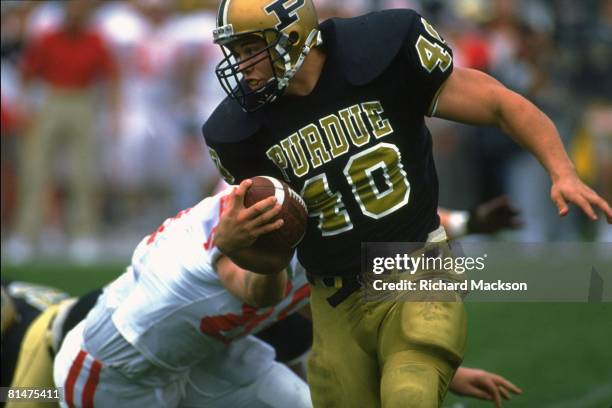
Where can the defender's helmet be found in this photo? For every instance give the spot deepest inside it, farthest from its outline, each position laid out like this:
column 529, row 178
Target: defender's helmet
column 289, row 29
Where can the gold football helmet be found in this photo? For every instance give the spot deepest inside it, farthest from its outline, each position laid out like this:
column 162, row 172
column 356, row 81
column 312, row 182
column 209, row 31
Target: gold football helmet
column 289, row 29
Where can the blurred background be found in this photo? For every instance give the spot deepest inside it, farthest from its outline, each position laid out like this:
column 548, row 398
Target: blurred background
column 98, row 151
column 95, row 154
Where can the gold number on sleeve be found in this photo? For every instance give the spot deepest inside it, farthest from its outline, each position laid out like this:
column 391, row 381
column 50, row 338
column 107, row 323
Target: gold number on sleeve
column 227, row 176
column 432, row 55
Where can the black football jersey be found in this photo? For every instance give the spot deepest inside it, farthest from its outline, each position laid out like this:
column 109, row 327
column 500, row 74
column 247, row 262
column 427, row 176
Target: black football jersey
column 356, row 148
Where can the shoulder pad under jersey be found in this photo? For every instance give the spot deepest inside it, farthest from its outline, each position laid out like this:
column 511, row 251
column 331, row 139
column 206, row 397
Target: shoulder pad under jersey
column 229, row 123
column 366, row 45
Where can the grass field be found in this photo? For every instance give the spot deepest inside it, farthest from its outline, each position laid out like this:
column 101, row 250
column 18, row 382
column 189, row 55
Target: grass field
column 560, row 354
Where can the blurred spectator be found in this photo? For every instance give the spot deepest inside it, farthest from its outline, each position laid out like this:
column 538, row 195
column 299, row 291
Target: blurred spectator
column 198, row 93
column 340, row 8
column 166, row 62
column 592, row 154
column 9, row 121
column 68, row 62
column 14, row 16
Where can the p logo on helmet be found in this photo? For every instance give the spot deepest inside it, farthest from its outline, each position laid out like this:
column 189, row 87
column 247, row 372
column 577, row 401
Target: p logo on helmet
column 285, row 15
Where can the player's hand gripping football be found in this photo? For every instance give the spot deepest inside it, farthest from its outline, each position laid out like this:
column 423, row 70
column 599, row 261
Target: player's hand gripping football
column 239, row 227
column 570, row 188
column 482, row 384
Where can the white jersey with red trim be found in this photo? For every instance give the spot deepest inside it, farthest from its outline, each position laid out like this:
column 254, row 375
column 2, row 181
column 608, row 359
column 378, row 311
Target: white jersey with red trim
column 170, row 304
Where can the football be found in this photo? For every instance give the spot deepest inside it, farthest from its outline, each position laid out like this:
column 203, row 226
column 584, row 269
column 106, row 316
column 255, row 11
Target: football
column 293, row 212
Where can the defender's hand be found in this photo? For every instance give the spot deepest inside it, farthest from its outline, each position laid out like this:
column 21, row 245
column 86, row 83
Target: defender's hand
column 492, row 216
column 571, row 188
column 482, row 384
column 239, row 227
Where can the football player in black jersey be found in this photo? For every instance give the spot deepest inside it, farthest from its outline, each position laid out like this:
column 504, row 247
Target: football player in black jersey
column 337, row 110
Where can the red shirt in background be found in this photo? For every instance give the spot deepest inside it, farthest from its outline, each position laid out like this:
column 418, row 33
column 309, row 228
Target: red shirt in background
column 68, row 60
column 7, row 119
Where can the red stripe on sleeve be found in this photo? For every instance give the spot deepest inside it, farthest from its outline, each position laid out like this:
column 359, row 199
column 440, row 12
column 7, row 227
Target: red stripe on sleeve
column 300, row 294
column 72, row 377
column 92, row 383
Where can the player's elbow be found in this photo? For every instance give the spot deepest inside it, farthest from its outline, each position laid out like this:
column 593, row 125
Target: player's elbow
column 262, row 260
column 267, row 300
column 272, row 262
column 265, row 291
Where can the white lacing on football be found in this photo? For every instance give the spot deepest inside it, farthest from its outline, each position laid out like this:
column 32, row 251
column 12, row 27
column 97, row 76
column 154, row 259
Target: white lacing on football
column 298, row 198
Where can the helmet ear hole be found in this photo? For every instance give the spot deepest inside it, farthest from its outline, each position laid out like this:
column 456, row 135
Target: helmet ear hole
column 294, row 37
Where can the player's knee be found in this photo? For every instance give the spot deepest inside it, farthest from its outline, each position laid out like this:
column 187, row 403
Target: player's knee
column 439, row 327
column 410, row 386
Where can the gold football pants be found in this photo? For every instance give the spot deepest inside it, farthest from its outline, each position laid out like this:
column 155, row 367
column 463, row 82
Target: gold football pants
column 34, row 368
column 383, row 353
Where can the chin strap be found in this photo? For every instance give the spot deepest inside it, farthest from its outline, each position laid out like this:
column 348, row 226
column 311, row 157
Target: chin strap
column 314, row 39
column 275, row 85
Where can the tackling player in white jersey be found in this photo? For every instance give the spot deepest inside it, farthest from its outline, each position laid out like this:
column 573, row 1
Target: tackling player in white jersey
column 168, row 333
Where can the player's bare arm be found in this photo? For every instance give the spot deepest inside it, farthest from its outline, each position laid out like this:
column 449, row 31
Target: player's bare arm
column 239, row 227
column 254, row 289
column 473, row 97
column 482, row 384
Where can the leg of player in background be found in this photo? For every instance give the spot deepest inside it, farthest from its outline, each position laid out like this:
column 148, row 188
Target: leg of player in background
column 82, row 203
column 36, row 150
